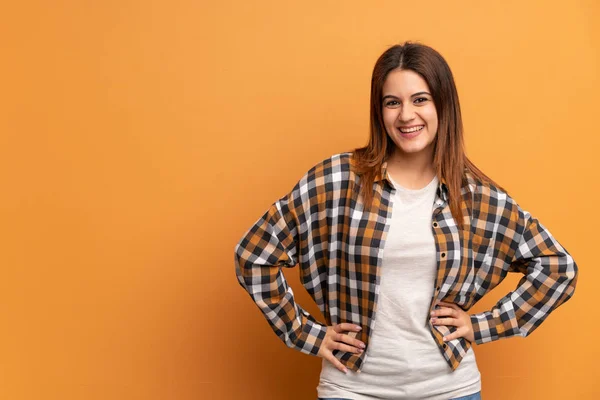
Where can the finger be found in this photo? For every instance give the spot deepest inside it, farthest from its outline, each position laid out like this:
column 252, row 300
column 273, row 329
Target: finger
column 454, row 306
column 445, row 311
column 336, row 363
column 451, row 305
column 341, row 338
column 347, row 326
column 446, row 321
column 347, row 348
column 452, row 336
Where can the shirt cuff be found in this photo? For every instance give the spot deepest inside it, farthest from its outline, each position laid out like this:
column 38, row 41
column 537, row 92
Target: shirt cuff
column 487, row 326
column 311, row 337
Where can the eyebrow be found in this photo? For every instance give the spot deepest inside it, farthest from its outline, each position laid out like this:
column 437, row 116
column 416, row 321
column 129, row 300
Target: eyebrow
column 394, row 97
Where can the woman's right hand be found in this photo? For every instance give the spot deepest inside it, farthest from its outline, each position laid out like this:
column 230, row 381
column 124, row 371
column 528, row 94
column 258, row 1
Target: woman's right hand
column 336, row 339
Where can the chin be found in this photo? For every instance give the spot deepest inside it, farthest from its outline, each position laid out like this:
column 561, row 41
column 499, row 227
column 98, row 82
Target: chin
column 413, row 149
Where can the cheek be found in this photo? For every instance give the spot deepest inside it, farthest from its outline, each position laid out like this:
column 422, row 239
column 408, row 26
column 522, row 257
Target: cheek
column 431, row 116
column 388, row 118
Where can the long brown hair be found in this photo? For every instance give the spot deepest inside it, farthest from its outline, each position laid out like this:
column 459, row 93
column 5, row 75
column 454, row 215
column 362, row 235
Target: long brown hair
column 450, row 160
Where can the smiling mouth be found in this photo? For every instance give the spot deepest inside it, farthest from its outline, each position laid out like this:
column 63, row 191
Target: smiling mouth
column 409, row 130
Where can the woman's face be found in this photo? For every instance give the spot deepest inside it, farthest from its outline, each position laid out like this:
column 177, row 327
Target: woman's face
column 407, row 103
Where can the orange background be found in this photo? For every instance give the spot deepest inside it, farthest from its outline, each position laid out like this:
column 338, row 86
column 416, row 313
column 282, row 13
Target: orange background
column 140, row 139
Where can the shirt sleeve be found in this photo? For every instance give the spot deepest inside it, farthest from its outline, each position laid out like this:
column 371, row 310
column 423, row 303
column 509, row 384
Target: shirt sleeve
column 270, row 244
column 550, row 277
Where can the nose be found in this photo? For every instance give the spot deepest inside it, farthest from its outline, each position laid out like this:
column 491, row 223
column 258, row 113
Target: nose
column 406, row 113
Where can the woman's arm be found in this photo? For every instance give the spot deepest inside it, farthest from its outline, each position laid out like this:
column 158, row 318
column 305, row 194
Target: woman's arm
column 550, row 279
column 272, row 243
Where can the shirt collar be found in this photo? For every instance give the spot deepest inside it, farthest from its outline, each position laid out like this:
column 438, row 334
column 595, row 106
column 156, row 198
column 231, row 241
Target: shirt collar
column 442, row 186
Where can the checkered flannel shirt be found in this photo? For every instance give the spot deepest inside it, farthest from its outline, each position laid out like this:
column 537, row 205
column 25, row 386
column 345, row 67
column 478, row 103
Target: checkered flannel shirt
column 321, row 226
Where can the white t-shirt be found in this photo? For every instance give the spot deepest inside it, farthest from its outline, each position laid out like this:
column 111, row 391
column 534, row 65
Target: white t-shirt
column 403, row 361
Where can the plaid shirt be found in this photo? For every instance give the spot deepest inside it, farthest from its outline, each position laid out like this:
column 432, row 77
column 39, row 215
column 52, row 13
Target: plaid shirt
column 321, row 226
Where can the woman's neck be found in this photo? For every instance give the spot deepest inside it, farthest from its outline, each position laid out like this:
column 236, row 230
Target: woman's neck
column 411, row 172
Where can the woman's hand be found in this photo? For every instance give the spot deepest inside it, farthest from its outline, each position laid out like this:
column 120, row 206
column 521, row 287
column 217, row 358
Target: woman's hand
column 453, row 315
column 335, row 339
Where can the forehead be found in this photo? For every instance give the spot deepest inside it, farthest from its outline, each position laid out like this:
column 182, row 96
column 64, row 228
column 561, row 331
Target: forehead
column 404, row 82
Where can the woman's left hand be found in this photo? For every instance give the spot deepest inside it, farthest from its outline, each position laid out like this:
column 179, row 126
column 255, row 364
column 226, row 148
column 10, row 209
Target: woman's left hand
column 453, row 315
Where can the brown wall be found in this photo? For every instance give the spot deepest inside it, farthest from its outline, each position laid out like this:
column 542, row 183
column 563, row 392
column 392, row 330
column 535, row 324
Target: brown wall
column 140, row 139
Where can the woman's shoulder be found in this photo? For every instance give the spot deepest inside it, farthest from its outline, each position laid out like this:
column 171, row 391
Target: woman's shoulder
column 334, row 168
column 330, row 176
column 341, row 160
column 493, row 196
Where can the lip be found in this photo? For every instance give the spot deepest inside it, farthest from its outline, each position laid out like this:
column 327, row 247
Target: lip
column 409, row 126
column 411, row 134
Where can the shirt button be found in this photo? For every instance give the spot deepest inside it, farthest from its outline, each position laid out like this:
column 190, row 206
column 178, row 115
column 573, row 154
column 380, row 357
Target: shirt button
column 435, row 224
column 444, row 346
column 443, row 255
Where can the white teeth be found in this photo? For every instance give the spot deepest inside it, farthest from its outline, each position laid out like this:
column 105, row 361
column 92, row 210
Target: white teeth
column 418, row 128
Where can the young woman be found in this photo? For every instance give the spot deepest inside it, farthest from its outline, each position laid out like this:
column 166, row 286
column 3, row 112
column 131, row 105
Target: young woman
column 395, row 242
